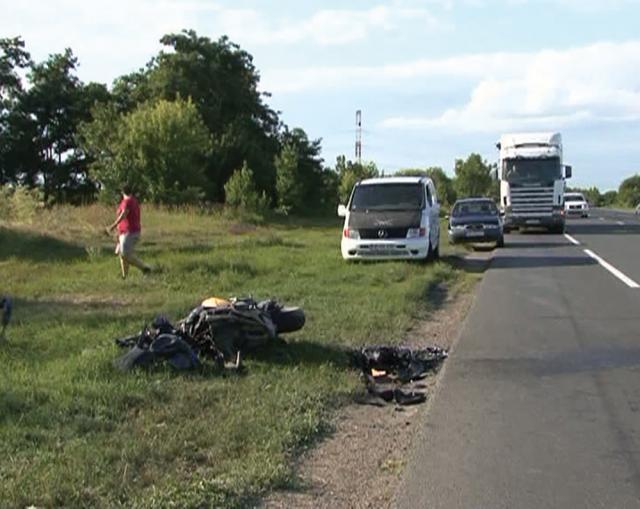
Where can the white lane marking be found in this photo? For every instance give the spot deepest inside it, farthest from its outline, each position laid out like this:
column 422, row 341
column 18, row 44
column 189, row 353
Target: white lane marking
column 602, row 219
column 621, row 223
column 571, row 239
column 622, row 277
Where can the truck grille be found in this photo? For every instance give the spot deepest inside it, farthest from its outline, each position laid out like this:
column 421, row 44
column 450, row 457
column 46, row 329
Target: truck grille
column 532, row 201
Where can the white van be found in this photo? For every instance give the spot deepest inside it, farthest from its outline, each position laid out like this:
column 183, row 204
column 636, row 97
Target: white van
column 391, row 218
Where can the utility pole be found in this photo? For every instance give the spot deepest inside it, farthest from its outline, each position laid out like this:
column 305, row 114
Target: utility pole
column 359, row 136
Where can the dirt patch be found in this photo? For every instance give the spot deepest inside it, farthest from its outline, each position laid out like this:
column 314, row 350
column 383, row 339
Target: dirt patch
column 241, row 228
column 87, row 301
column 361, row 464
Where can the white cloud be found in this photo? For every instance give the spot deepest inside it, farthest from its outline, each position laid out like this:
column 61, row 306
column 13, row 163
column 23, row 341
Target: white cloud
column 550, row 88
column 324, row 27
column 107, row 33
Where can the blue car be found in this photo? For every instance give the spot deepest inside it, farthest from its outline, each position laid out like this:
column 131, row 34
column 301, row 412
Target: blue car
column 475, row 220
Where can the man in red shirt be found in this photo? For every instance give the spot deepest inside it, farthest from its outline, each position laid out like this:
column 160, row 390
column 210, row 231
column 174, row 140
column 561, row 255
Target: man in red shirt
column 128, row 224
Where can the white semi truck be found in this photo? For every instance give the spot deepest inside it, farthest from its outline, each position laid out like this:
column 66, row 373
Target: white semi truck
column 532, row 180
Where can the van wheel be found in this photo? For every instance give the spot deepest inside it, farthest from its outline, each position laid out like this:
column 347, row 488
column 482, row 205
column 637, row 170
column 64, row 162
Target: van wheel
column 427, row 258
column 435, row 254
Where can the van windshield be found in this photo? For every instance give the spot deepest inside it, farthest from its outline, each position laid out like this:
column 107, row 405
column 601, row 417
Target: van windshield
column 388, row 197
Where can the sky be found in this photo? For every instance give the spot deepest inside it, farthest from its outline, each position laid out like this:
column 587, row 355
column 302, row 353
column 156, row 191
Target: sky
column 435, row 79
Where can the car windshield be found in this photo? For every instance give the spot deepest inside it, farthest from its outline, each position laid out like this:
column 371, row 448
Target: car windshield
column 388, row 197
column 475, row 208
column 574, row 197
column 531, row 170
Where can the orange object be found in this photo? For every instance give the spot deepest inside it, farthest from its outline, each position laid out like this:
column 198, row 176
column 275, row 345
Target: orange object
column 214, row 302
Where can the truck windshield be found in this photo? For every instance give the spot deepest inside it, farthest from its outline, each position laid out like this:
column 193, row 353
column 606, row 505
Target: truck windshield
column 388, row 197
column 475, row 208
column 531, row 170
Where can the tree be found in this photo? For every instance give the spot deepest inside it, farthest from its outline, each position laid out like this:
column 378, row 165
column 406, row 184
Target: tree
column 222, row 82
column 241, row 192
column 289, row 186
column 443, row 183
column 629, row 192
column 474, row 177
column 299, row 173
column 160, row 149
column 609, row 198
column 13, row 59
column 350, row 173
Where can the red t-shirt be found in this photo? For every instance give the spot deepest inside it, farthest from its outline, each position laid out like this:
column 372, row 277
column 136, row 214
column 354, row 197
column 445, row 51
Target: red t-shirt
column 131, row 222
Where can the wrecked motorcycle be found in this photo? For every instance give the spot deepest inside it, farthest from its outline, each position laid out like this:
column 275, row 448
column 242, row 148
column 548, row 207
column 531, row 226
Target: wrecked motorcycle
column 220, row 330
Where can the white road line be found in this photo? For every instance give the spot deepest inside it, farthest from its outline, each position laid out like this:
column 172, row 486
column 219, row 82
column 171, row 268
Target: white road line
column 602, row 219
column 621, row 223
column 571, row 239
column 622, row 277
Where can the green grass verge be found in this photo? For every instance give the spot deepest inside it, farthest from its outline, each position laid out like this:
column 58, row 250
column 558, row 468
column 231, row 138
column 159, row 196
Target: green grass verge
column 75, row 432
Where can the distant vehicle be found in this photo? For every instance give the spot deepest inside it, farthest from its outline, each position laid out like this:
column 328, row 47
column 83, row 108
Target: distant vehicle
column 475, row 220
column 638, row 209
column 391, row 218
column 532, row 183
column 575, row 204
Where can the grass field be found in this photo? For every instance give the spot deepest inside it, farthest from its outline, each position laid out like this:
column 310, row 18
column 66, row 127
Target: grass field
column 75, row 432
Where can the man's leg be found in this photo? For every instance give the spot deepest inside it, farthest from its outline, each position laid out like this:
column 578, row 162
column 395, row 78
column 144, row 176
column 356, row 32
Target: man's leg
column 130, row 255
column 124, row 266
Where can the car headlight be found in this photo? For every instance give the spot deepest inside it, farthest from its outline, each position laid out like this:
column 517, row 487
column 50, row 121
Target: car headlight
column 413, row 233
column 350, row 233
column 455, row 228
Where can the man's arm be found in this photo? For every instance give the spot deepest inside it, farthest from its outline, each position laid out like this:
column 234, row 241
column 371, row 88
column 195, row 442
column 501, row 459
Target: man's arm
column 120, row 217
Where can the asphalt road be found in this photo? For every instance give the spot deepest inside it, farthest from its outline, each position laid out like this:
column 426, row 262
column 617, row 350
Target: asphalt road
column 539, row 404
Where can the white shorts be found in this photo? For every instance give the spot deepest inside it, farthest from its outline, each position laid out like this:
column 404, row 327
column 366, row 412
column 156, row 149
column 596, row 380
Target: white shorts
column 127, row 243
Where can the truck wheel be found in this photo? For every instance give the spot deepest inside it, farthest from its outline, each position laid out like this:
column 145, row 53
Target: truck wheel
column 500, row 242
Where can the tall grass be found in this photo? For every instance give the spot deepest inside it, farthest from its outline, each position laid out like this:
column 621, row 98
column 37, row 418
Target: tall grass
column 75, row 432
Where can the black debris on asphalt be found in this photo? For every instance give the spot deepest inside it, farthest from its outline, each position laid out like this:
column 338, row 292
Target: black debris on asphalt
column 390, row 372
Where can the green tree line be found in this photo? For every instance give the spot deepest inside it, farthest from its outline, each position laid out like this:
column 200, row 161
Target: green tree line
column 177, row 130
column 189, row 126
column 627, row 195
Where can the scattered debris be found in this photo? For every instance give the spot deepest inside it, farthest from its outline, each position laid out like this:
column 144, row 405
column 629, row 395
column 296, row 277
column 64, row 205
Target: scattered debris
column 219, row 330
column 6, row 304
column 389, row 372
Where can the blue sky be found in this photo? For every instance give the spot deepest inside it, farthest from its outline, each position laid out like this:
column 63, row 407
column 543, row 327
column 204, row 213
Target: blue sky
column 435, row 79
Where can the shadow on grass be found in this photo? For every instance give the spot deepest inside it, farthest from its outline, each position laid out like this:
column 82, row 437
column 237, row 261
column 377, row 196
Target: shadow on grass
column 214, row 268
column 295, row 353
column 37, row 247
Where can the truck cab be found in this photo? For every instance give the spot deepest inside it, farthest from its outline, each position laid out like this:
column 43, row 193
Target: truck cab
column 391, row 218
column 532, row 180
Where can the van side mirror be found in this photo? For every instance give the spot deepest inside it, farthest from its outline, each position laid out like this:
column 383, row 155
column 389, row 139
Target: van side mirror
column 447, row 216
column 567, row 172
column 342, row 211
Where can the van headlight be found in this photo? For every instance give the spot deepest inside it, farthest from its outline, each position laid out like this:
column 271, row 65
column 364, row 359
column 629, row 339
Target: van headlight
column 413, row 233
column 350, row 233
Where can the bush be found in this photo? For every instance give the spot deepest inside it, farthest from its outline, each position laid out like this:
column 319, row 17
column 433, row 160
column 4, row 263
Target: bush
column 20, row 204
column 241, row 192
